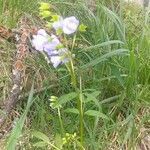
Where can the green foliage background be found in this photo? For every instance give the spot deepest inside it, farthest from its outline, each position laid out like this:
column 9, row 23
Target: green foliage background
column 113, row 62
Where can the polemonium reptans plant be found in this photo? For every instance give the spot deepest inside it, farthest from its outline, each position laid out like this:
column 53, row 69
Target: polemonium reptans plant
column 59, row 53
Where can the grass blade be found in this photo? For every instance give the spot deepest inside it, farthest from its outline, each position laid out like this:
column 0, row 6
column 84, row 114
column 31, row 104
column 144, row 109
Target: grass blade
column 104, row 57
column 102, row 45
column 17, row 130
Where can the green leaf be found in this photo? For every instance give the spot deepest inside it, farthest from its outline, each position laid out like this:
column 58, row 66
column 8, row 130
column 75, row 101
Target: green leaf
column 17, row 130
column 95, row 113
column 117, row 74
column 44, row 138
column 92, row 97
column 104, row 57
column 59, row 32
column 95, row 93
column 82, row 28
column 128, row 132
column 127, row 120
column 102, row 45
column 110, row 99
column 55, row 18
column 65, row 98
column 41, row 136
column 58, row 141
column 40, row 144
column 71, row 110
column 116, row 20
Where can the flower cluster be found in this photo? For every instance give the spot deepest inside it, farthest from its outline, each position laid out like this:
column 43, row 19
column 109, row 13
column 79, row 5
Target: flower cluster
column 51, row 44
column 69, row 138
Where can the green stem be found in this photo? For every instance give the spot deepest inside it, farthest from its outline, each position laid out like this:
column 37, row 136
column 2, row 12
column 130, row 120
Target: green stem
column 73, row 76
column 79, row 101
column 71, row 70
column 73, row 42
column 80, row 107
column 61, row 123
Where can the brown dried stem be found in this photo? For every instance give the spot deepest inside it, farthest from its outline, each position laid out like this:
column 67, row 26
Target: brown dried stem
column 17, row 69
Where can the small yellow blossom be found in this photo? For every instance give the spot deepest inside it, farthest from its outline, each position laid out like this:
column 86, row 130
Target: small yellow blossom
column 45, row 13
column 44, row 6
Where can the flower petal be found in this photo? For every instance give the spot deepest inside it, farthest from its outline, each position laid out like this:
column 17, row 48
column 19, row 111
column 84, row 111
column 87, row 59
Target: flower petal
column 56, row 60
column 42, row 32
column 70, row 25
column 38, row 42
column 58, row 24
column 51, row 45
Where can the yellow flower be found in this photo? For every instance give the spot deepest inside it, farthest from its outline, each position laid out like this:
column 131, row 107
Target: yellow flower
column 45, row 13
column 44, row 6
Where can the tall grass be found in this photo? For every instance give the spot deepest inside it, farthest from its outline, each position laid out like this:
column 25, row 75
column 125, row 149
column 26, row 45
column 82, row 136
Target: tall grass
column 114, row 65
column 11, row 10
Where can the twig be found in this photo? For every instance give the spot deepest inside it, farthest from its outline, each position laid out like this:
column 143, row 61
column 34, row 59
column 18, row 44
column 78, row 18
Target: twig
column 17, row 69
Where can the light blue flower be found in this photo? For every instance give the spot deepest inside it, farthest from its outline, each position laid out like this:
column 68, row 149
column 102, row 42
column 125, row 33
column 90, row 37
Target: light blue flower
column 43, row 42
column 59, row 57
column 52, row 44
column 42, row 32
column 68, row 25
column 40, row 40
